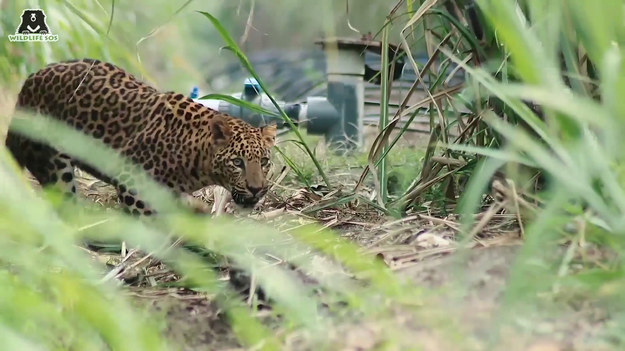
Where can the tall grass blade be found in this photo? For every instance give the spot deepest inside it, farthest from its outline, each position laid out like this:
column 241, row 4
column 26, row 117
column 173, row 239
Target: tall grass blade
column 232, row 45
column 383, row 123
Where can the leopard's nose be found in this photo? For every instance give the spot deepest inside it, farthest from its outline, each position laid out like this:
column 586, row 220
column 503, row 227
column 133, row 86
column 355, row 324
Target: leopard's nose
column 254, row 190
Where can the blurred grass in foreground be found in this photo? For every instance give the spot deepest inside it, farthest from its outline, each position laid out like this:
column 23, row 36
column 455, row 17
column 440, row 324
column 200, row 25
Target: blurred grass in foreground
column 577, row 142
column 54, row 297
column 542, row 95
column 53, row 230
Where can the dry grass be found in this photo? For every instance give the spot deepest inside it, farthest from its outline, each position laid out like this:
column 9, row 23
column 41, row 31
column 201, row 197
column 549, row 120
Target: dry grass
column 416, row 246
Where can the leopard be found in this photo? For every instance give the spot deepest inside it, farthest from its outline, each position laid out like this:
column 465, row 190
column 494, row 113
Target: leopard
column 177, row 141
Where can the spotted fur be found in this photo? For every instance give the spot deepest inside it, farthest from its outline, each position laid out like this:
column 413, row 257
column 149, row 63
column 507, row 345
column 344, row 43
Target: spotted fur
column 180, row 143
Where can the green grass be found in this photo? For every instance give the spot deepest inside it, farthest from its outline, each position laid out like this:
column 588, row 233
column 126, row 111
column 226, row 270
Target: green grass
column 299, row 306
column 53, row 296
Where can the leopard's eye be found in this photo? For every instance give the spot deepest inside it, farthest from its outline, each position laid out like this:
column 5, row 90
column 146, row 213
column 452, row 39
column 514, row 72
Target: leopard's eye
column 238, row 162
column 264, row 161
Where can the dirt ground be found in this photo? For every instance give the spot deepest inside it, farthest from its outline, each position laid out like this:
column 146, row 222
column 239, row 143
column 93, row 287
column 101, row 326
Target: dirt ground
column 420, row 248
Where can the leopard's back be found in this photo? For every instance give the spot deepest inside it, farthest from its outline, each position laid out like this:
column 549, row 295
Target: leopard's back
column 92, row 96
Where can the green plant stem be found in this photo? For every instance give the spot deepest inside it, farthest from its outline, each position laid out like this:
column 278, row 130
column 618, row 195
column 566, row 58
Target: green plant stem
column 232, row 45
column 382, row 175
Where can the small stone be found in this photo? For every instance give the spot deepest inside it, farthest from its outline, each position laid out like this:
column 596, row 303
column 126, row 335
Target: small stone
column 429, row 240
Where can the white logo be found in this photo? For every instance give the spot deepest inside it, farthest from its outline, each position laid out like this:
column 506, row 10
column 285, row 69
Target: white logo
column 33, row 27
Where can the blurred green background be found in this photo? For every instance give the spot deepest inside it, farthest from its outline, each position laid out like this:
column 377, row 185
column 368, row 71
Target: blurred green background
column 176, row 46
column 537, row 152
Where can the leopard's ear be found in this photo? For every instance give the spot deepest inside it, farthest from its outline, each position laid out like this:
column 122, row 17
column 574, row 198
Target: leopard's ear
column 220, row 131
column 269, row 134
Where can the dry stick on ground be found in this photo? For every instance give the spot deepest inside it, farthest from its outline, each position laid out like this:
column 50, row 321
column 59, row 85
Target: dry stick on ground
column 487, row 216
column 390, row 248
column 400, row 261
column 134, row 264
column 515, row 198
column 449, row 161
column 283, row 173
column 411, row 259
column 445, row 222
column 400, row 221
column 498, row 186
column 269, row 215
column 117, row 270
column 388, row 235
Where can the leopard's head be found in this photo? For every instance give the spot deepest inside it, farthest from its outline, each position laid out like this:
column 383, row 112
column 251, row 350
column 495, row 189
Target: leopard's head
column 241, row 158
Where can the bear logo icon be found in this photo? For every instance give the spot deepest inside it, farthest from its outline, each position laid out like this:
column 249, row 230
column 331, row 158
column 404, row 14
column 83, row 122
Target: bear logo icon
column 33, row 22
